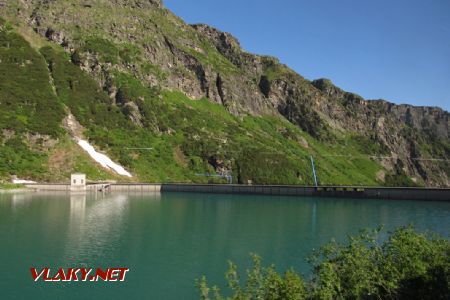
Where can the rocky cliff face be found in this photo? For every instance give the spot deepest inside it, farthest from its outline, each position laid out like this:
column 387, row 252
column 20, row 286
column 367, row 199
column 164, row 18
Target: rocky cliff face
column 142, row 38
column 404, row 132
column 415, row 139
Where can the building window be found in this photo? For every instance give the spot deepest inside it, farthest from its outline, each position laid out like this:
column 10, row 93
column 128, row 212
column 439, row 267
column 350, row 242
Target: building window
column 81, row 181
column 74, row 181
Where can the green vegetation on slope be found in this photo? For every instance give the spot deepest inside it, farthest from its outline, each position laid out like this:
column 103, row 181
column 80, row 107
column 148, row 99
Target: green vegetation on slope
column 108, row 126
column 82, row 94
column 130, row 46
column 26, row 96
column 66, row 157
column 187, row 137
column 407, row 265
column 18, row 159
column 10, row 186
column 27, row 105
column 107, row 51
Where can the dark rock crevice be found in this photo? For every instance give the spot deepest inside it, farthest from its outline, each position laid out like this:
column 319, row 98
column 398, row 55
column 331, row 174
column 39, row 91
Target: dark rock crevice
column 201, row 76
column 219, row 86
column 264, row 86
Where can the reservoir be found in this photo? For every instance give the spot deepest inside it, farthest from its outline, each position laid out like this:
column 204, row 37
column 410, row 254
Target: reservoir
column 168, row 240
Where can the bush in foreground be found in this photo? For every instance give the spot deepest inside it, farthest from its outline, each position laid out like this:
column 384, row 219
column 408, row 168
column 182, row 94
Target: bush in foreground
column 406, row 265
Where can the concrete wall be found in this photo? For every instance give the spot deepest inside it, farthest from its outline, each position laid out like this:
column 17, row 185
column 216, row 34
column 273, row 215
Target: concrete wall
column 279, row 190
column 240, row 189
column 340, row 192
column 96, row 187
column 135, row 188
column 49, row 187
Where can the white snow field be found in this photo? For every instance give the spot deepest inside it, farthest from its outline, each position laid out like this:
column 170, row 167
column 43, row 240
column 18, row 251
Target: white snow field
column 22, row 181
column 102, row 159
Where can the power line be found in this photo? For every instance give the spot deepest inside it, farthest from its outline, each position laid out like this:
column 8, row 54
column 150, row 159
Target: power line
column 431, row 159
column 389, row 157
column 138, row 148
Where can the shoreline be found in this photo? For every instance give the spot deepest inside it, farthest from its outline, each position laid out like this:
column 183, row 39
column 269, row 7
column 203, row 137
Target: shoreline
column 19, row 190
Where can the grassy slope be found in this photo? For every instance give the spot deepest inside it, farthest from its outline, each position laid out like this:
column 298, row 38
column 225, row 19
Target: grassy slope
column 29, row 105
column 186, row 136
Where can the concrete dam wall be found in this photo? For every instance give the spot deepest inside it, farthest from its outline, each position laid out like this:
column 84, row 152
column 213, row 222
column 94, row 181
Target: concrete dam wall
column 430, row 194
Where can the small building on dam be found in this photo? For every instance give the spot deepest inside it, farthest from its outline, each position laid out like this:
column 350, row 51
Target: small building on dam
column 78, row 182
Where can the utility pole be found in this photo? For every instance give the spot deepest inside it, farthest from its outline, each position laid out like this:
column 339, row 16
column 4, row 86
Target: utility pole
column 314, row 170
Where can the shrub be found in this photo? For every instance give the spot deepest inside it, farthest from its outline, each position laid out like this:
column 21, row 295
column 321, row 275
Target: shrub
column 396, row 180
column 262, row 283
column 407, row 265
column 107, row 51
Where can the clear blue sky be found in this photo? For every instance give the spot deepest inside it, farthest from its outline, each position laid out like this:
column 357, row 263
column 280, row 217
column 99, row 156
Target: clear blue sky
column 398, row 50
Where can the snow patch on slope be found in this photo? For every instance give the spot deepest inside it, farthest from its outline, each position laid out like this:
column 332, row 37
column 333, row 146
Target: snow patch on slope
column 22, row 181
column 102, row 159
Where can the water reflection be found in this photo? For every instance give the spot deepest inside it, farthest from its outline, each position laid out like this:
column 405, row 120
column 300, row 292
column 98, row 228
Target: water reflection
column 314, row 218
column 77, row 208
column 21, row 199
column 97, row 225
column 93, row 232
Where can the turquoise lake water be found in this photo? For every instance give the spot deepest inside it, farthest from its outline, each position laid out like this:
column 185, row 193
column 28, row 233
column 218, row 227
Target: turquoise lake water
column 170, row 239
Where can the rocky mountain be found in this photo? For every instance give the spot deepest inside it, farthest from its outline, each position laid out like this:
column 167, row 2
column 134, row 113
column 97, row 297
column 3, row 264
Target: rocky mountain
column 134, row 75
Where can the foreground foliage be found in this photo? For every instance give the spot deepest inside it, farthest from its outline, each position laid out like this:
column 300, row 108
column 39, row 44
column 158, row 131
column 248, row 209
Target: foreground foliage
column 407, row 265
